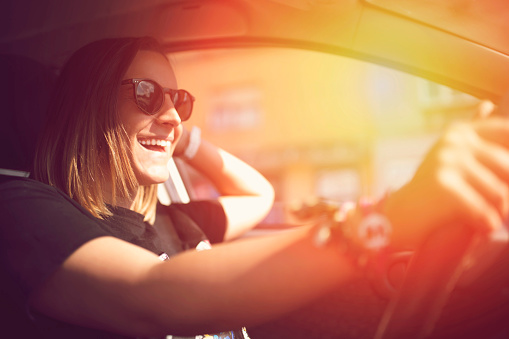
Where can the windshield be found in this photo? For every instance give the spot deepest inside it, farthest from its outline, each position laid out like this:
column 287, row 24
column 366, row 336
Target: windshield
column 316, row 124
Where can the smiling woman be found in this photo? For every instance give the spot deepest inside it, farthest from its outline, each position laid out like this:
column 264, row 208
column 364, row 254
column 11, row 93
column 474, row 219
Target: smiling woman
column 65, row 155
column 81, row 256
column 159, row 122
column 111, row 262
column 114, row 123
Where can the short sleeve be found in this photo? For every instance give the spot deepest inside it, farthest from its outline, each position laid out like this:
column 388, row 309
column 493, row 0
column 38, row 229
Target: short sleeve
column 41, row 227
column 209, row 215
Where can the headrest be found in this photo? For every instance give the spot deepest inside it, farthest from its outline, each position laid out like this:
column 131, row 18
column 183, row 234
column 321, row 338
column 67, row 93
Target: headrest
column 25, row 91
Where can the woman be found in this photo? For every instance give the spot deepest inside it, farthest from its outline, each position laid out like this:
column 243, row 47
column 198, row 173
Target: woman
column 86, row 262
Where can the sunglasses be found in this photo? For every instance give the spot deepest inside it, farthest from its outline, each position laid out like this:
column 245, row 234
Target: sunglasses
column 150, row 96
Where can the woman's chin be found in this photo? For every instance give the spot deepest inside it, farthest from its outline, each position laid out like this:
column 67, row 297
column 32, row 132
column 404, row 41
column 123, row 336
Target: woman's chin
column 154, row 177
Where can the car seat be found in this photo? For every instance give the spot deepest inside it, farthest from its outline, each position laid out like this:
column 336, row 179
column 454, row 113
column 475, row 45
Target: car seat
column 25, row 92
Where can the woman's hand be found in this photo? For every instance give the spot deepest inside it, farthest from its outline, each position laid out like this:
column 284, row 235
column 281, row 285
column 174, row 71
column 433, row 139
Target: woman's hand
column 463, row 179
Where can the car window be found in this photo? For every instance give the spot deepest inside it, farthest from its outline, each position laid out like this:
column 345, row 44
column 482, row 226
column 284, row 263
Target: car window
column 316, row 124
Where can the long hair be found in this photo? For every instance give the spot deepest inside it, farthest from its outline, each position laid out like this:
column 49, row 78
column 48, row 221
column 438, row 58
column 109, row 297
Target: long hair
column 84, row 146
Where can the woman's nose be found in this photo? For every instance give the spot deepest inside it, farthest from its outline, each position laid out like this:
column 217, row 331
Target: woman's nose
column 168, row 114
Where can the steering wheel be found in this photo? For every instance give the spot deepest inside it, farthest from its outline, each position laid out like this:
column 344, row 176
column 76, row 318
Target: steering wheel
column 431, row 274
column 417, row 296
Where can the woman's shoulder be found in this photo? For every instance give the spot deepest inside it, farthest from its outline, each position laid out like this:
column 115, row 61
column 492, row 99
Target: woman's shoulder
column 26, row 188
column 31, row 193
column 24, row 185
column 32, row 210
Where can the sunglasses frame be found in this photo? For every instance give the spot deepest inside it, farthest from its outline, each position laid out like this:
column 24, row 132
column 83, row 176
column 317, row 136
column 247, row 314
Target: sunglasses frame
column 172, row 92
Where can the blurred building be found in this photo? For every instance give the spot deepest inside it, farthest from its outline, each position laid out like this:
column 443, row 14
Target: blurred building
column 316, row 124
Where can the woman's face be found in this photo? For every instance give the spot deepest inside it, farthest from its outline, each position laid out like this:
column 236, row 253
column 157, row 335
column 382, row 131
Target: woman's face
column 152, row 137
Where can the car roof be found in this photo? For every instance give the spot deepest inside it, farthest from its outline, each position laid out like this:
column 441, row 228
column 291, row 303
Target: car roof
column 459, row 43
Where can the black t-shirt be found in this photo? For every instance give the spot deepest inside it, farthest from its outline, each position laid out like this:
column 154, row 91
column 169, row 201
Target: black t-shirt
column 42, row 226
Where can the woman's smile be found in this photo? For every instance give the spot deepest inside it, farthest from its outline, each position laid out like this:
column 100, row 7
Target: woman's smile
column 156, row 144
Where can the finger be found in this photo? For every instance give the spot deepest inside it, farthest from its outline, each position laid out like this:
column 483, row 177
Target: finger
column 494, row 129
column 495, row 158
column 472, row 208
column 489, row 185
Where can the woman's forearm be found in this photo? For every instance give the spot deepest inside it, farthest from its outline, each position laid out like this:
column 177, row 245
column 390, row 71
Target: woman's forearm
column 238, row 284
column 122, row 288
column 230, row 175
column 246, row 195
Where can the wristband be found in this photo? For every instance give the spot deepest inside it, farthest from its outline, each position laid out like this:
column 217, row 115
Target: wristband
column 361, row 230
column 194, row 143
column 374, row 229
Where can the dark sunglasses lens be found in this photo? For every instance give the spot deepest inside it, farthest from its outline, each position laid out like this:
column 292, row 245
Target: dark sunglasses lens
column 149, row 96
column 183, row 104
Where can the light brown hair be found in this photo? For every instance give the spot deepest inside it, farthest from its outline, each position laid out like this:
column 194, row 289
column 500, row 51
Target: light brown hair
column 84, row 147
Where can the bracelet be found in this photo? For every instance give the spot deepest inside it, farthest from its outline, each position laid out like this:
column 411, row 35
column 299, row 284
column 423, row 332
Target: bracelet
column 332, row 222
column 361, row 230
column 194, row 143
column 374, row 229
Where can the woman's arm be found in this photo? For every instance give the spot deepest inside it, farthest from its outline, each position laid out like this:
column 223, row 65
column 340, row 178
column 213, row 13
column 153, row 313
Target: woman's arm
column 246, row 195
column 113, row 285
column 116, row 286
column 110, row 284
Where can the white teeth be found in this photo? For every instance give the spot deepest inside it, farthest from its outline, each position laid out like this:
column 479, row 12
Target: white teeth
column 154, row 142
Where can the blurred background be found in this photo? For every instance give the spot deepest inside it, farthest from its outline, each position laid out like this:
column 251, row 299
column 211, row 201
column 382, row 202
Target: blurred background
column 315, row 124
